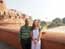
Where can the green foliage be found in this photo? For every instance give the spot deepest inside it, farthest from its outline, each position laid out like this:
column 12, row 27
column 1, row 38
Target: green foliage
column 63, row 20
column 55, row 23
column 43, row 23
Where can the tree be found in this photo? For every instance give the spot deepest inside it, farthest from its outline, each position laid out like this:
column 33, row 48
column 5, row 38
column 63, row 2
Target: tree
column 63, row 20
column 56, row 22
column 43, row 23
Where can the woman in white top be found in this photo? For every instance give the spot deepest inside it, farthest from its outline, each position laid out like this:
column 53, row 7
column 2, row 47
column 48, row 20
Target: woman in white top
column 36, row 35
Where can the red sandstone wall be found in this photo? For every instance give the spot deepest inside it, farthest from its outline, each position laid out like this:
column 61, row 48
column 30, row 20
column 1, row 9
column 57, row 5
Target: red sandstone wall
column 12, row 39
column 52, row 45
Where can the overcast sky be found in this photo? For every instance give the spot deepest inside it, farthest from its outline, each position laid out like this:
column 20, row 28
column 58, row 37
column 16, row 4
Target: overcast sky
column 42, row 9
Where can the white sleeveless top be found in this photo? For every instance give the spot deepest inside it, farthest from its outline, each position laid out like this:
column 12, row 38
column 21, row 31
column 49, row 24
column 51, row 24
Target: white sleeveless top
column 35, row 33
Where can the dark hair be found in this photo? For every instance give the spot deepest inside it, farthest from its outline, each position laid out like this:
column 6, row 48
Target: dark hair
column 26, row 20
column 33, row 26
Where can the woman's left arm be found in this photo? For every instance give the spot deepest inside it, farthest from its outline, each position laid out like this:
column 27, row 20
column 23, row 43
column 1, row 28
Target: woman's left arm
column 40, row 36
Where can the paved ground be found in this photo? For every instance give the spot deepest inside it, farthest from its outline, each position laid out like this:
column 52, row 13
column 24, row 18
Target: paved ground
column 5, row 46
column 60, row 29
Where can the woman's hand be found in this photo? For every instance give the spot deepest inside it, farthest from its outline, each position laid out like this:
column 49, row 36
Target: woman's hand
column 38, row 39
column 34, row 42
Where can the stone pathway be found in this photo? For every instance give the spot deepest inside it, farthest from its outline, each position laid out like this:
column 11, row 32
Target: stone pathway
column 5, row 46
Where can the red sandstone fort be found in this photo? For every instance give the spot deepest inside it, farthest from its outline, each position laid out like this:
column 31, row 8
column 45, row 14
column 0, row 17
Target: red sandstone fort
column 11, row 16
column 10, row 22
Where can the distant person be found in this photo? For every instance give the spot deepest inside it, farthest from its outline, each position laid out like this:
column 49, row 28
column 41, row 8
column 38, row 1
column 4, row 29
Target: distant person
column 36, row 35
column 25, row 38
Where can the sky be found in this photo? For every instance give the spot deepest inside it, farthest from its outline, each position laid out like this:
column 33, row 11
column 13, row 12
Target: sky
column 46, row 10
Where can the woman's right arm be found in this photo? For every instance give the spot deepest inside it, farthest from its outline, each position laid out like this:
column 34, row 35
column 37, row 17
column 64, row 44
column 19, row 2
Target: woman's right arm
column 31, row 34
column 32, row 39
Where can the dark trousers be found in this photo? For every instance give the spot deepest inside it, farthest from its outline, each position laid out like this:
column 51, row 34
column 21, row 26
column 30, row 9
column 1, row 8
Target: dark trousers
column 26, row 43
